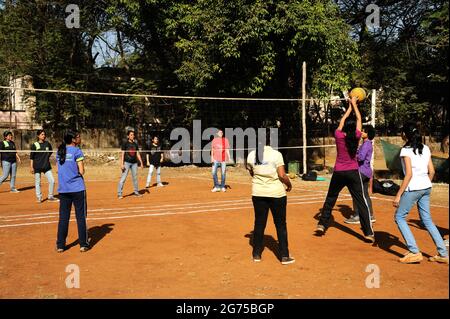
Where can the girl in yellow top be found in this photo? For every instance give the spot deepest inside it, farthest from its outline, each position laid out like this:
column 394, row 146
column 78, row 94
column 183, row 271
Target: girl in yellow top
column 266, row 166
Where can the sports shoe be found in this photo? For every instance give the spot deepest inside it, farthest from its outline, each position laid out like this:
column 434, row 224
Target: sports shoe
column 411, row 258
column 256, row 258
column 223, row 190
column 59, row 250
column 352, row 220
column 215, row 189
column 84, row 249
column 355, row 220
column 160, row 185
column 370, row 238
column 439, row 259
column 15, row 190
column 137, row 195
column 39, row 200
column 287, row 260
column 120, row 197
column 320, row 229
column 147, row 186
column 53, row 199
column 446, row 242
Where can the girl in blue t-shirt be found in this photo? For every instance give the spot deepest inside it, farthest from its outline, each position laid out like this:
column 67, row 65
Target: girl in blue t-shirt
column 71, row 190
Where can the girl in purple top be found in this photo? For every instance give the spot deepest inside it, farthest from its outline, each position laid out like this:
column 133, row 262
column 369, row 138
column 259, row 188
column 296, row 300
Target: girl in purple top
column 364, row 157
column 346, row 173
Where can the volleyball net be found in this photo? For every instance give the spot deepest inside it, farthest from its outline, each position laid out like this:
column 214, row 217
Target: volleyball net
column 183, row 124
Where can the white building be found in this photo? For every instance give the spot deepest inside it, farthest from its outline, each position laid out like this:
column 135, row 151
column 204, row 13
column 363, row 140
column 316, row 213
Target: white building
column 17, row 112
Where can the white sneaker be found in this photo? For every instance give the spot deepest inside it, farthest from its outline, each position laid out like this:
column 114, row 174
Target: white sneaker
column 224, row 190
column 215, row 189
column 53, row 199
column 39, row 200
column 160, row 185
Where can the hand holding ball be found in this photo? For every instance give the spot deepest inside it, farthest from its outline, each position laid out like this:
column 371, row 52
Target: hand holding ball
column 360, row 94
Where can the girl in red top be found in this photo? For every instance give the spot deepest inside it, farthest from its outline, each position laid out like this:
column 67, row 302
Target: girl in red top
column 220, row 154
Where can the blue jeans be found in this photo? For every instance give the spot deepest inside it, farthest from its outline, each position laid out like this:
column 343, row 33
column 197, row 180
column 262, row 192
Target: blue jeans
column 150, row 173
column 223, row 166
column 7, row 168
column 134, row 168
column 422, row 198
column 37, row 183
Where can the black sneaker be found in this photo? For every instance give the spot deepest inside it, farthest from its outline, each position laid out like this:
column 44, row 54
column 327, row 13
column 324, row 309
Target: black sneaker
column 287, row 260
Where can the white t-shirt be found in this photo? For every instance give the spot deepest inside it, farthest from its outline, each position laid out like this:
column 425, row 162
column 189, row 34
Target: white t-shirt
column 419, row 163
column 265, row 177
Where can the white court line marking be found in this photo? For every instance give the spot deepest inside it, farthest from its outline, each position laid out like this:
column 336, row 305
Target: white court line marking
column 145, row 209
column 390, row 200
column 372, row 197
column 158, row 214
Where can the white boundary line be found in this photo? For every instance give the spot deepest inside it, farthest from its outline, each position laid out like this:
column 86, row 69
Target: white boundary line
column 124, row 210
column 165, row 205
column 162, row 214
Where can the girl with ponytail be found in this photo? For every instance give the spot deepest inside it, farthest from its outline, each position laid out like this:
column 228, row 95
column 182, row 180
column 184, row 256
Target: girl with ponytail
column 269, row 186
column 71, row 190
column 346, row 173
column 416, row 188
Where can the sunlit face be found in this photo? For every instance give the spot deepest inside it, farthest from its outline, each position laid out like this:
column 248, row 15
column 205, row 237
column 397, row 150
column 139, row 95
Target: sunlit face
column 77, row 139
column 403, row 136
column 42, row 136
column 155, row 140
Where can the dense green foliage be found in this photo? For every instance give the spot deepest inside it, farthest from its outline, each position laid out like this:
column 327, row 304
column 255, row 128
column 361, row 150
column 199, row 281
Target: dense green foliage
column 248, row 48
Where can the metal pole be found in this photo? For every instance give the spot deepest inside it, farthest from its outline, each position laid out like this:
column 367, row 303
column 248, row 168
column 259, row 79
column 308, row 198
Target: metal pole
column 373, row 107
column 304, row 116
column 372, row 122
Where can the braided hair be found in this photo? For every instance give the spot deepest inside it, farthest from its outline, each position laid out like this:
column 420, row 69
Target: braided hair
column 62, row 149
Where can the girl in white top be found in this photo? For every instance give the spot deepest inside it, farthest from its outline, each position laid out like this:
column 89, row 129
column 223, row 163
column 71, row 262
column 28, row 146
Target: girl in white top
column 416, row 188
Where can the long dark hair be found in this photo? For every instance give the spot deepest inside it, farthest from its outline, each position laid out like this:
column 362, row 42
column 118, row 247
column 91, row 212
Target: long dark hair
column 262, row 141
column 68, row 139
column 351, row 141
column 413, row 137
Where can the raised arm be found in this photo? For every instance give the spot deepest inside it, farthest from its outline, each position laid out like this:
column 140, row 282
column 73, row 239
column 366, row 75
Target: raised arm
column 354, row 103
column 347, row 114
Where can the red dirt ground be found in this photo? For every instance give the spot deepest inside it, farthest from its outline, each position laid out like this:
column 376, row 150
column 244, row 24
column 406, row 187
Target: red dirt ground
column 199, row 244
